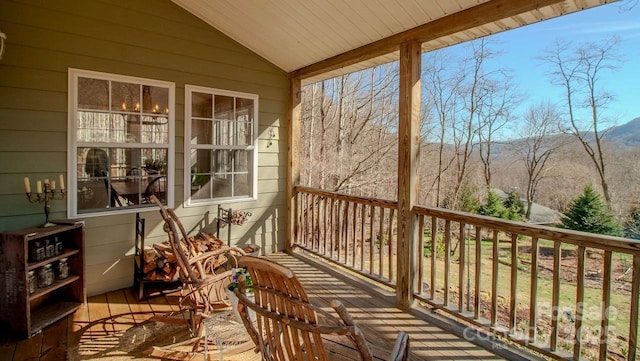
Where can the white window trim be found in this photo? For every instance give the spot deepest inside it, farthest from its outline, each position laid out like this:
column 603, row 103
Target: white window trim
column 189, row 89
column 72, row 166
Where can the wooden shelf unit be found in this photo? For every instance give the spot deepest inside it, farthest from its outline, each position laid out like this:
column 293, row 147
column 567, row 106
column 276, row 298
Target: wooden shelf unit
column 22, row 314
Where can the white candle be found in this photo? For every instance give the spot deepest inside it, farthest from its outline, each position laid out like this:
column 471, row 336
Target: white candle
column 53, row 185
column 46, row 181
column 61, row 182
column 27, row 185
column 39, row 187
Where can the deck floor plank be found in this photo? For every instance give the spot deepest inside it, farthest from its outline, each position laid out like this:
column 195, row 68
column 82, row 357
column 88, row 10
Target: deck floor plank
column 141, row 309
column 120, row 311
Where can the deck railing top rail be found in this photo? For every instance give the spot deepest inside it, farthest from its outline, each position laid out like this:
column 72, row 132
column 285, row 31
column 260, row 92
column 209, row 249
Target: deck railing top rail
column 591, row 240
column 345, row 197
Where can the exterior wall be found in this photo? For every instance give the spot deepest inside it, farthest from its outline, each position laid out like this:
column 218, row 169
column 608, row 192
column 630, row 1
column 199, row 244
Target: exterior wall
column 153, row 39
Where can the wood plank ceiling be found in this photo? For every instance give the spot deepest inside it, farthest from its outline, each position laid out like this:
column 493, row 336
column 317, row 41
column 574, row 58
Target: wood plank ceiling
column 298, row 34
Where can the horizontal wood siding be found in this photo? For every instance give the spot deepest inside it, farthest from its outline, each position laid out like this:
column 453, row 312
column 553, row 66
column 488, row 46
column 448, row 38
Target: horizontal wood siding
column 153, row 39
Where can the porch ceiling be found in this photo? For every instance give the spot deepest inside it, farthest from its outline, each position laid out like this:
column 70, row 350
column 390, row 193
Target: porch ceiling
column 315, row 39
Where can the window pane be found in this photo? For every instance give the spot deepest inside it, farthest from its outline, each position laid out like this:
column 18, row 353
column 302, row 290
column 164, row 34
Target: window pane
column 201, row 131
column 125, row 97
column 222, row 135
column 92, row 126
column 201, row 105
column 221, row 162
column 201, row 174
column 155, row 130
column 244, row 120
column 155, row 100
column 130, row 128
column 241, row 161
column 241, row 185
column 94, row 191
column 93, row 94
column 222, row 187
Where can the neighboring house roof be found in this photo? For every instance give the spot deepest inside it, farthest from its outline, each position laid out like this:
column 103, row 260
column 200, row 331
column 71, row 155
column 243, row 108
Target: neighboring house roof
column 294, row 34
column 539, row 214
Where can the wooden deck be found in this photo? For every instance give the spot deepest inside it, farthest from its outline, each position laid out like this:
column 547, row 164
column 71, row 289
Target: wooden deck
column 97, row 328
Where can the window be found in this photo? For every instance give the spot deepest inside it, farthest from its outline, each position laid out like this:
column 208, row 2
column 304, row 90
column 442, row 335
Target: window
column 121, row 134
column 220, row 155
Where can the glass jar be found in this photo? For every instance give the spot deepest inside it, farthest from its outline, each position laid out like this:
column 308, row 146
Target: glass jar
column 37, row 252
column 45, row 276
column 31, row 282
column 49, row 248
column 63, row 269
column 59, row 246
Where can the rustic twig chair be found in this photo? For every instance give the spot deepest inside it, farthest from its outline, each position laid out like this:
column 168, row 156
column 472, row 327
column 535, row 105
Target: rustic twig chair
column 203, row 278
column 288, row 327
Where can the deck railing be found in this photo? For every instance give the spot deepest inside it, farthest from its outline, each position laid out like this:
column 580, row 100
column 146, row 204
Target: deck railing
column 561, row 293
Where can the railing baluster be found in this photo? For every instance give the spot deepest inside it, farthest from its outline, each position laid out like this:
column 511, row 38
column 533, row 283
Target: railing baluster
column 345, row 231
column 606, row 304
column 420, row 254
column 353, row 238
column 338, row 230
column 363, row 223
column 555, row 297
column 381, row 243
column 494, row 281
column 633, row 323
column 447, row 249
column 372, row 237
column 461, row 265
column 533, row 293
column 476, row 297
column 390, row 235
column 332, row 227
column 514, row 283
column 434, row 236
column 305, row 219
column 577, row 343
column 313, row 222
column 324, row 225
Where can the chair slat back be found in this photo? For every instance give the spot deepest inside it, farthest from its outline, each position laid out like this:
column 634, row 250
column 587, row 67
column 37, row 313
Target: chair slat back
column 288, row 325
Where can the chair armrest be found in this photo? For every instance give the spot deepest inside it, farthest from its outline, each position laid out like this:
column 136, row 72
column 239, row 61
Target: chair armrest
column 401, row 349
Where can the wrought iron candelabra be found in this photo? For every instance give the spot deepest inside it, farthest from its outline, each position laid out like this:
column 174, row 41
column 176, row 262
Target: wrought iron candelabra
column 46, row 192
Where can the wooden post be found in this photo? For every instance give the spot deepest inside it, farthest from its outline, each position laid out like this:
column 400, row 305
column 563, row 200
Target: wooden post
column 408, row 137
column 293, row 170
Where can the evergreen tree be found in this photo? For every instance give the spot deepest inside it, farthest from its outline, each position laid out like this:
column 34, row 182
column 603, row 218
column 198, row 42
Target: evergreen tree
column 514, row 207
column 589, row 213
column 632, row 225
column 469, row 201
column 493, row 207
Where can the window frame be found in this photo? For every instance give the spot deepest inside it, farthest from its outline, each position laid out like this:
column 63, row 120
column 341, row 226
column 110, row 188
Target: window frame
column 188, row 147
column 73, row 144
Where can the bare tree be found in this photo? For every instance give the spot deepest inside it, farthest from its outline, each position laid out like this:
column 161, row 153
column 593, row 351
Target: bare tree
column 539, row 141
column 442, row 90
column 579, row 70
column 348, row 130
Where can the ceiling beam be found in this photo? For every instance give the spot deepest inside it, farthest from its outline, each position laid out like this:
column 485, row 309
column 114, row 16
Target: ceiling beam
column 485, row 13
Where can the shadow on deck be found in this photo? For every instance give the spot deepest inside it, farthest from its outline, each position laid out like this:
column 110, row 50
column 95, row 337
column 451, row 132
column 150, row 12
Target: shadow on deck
column 97, row 331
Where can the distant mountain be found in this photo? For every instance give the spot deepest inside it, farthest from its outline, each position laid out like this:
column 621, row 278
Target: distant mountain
column 627, row 135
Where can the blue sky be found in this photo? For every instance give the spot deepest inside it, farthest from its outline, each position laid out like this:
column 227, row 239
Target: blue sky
column 521, row 46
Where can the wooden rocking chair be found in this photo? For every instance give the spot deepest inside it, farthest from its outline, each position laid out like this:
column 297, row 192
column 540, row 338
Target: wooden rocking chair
column 288, row 327
column 203, row 278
